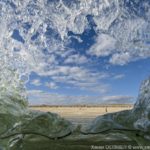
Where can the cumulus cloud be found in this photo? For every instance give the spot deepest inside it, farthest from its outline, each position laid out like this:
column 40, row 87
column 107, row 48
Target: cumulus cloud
column 76, row 59
column 82, row 78
column 121, row 59
column 74, row 77
column 104, row 46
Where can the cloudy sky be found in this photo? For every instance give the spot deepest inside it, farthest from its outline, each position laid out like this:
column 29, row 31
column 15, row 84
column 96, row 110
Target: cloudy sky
column 79, row 52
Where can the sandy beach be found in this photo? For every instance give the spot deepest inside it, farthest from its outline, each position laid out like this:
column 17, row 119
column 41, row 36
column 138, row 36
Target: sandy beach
column 82, row 114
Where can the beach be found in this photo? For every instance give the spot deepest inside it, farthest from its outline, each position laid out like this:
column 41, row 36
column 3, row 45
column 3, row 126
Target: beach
column 82, row 114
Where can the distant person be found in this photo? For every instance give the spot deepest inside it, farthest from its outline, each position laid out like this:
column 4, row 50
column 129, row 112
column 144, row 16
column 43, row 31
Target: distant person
column 105, row 109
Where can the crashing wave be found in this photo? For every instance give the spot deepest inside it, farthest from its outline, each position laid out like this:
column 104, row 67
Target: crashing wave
column 133, row 123
column 34, row 127
column 31, row 31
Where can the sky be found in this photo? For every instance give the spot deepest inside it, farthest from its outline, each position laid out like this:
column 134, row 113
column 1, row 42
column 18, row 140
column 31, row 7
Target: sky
column 82, row 77
column 111, row 84
column 78, row 52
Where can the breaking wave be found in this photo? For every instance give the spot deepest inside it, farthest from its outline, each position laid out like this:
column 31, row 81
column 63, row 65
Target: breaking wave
column 33, row 30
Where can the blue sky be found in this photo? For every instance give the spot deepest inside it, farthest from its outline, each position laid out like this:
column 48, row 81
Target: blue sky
column 78, row 52
column 121, row 80
column 111, row 80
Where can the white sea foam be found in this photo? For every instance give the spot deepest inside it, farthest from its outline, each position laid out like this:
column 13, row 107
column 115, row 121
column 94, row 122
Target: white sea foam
column 28, row 27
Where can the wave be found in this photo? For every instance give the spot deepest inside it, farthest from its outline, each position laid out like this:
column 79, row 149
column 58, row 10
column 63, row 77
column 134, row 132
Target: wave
column 29, row 28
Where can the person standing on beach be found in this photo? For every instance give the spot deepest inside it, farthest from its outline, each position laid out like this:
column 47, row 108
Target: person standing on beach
column 105, row 109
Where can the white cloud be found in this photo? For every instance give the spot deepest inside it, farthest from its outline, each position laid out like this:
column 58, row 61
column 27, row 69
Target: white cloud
column 37, row 97
column 120, row 59
column 75, row 77
column 100, row 88
column 104, row 45
column 51, row 85
column 40, row 97
column 76, row 59
column 119, row 76
column 82, row 78
column 36, row 82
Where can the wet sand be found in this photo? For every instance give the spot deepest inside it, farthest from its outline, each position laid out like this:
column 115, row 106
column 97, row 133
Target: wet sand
column 82, row 114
